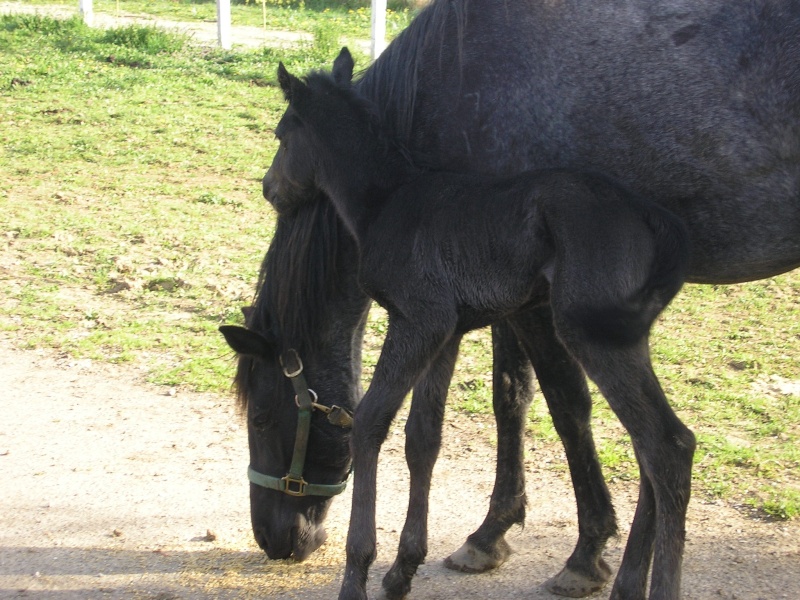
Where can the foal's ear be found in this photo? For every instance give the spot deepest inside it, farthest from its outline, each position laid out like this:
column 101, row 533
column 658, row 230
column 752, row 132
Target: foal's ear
column 289, row 83
column 343, row 67
column 285, row 81
column 249, row 343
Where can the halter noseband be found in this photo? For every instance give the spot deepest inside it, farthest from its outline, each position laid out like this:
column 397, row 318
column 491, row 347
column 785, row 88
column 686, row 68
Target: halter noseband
column 293, row 483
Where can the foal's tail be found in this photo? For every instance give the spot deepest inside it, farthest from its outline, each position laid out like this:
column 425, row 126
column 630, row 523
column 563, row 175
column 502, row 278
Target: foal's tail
column 627, row 320
column 671, row 258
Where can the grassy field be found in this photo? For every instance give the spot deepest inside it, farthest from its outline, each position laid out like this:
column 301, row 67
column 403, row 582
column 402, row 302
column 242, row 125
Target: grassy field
column 350, row 18
column 132, row 226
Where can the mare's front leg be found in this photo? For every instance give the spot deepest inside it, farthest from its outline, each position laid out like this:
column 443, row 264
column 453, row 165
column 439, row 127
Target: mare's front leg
column 423, row 440
column 512, row 383
column 406, row 354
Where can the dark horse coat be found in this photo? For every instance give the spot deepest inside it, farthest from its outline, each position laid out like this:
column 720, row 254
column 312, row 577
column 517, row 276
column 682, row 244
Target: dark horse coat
column 693, row 105
column 442, row 263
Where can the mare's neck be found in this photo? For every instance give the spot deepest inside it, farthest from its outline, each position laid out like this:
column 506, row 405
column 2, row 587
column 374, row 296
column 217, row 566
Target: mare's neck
column 358, row 180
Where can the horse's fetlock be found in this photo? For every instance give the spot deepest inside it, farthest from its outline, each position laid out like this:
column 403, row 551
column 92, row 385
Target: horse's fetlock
column 361, row 557
column 397, row 581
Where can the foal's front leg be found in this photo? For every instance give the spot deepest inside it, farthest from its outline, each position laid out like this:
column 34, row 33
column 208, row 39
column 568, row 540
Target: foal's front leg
column 423, row 440
column 406, row 354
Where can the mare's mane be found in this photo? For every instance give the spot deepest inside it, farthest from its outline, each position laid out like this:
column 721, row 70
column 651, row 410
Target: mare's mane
column 298, row 273
column 300, row 269
column 391, row 82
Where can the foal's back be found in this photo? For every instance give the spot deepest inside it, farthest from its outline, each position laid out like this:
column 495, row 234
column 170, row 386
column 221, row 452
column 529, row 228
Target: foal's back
column 439, row 240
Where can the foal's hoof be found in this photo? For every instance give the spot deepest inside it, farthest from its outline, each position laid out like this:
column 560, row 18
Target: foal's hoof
column 577, row 585
column 469, row 559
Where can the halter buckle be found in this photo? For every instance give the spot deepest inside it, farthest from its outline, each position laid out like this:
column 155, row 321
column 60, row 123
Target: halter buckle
column 296, row 357
column 294, row 486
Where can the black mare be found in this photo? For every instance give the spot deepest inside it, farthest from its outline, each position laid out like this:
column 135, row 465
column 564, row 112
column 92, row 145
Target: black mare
column 441, row 264
column 692, row 104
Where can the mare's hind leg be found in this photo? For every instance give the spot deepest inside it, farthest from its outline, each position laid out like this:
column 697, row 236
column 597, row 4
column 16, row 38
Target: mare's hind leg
column 487, row 548
column 423, row 440
column 564, row 387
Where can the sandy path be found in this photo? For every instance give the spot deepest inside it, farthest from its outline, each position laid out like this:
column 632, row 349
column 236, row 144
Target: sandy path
column 111, row 485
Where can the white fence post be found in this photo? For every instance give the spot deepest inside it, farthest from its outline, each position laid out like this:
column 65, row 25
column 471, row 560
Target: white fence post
column 378, row 27
column 86, row 11
column 224, row 24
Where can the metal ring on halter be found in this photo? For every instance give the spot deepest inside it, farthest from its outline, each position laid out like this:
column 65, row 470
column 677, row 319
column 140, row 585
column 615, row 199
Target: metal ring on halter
column 313, row 399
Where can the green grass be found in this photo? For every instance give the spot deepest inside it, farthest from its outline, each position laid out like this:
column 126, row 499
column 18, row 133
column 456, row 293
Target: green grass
column 132, row 225
column 350, row 18
column 131, row 202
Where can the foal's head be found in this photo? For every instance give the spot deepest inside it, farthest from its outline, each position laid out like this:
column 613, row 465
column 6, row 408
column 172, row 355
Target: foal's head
column 326, row 120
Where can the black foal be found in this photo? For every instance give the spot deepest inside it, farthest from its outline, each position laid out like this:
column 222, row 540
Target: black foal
column 442, row 264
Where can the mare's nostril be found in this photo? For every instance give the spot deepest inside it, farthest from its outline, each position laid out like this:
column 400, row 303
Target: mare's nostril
column 304, row 545
column 276, row 549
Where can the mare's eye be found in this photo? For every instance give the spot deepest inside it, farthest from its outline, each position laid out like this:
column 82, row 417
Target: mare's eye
column 260, row 420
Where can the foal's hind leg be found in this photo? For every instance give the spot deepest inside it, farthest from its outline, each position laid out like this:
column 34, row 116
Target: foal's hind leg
column 487, row 548
column 664, row 448
column 563, row 385
column 423, row 440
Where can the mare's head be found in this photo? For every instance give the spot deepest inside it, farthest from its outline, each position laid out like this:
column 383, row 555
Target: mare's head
column 325, row 121
column 307, row 302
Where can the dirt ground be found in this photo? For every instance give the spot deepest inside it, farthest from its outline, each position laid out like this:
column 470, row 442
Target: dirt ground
column 110, row 488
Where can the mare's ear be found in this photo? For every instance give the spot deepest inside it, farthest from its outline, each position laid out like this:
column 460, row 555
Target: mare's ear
column 343, row 67
column 247, row 312
column 249, row 343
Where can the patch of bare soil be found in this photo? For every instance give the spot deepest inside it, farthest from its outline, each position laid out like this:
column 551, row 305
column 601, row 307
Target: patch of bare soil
column 112, row 488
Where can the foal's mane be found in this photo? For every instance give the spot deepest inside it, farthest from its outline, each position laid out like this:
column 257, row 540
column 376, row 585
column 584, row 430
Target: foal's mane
column 323, row 85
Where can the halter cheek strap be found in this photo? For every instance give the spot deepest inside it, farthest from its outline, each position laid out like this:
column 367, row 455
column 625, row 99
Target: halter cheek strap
column 293, row 483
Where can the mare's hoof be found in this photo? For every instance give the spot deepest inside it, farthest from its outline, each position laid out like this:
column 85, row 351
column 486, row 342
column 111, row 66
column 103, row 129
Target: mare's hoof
column 577, row 585
column 469, row 559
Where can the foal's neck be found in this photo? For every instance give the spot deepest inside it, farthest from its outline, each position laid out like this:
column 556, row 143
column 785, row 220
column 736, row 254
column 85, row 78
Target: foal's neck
column 358, row 178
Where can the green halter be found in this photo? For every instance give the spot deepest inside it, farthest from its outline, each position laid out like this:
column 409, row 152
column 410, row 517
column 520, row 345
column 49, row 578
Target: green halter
column 293, row 483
